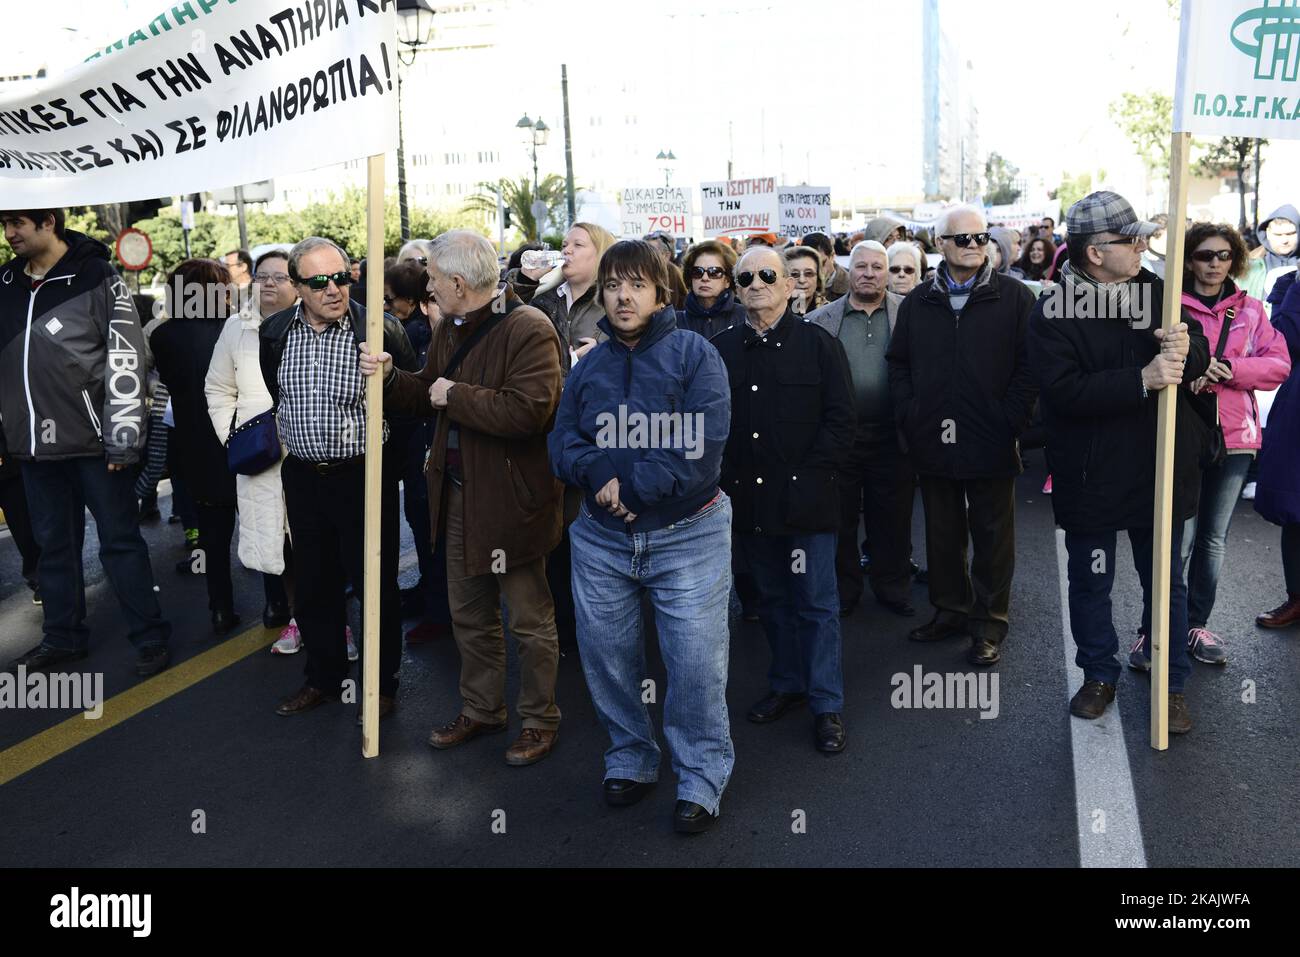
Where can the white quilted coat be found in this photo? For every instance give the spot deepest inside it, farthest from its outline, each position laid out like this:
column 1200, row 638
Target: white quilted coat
column 235, row 388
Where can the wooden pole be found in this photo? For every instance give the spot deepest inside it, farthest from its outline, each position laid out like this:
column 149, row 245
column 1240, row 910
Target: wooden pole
column 374, row 458
column 1162, row 543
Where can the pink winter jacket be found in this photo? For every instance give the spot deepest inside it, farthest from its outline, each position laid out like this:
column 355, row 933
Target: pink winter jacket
column 1259, row 358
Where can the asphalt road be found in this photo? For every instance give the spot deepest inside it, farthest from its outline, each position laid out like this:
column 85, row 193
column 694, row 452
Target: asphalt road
column 924, row 787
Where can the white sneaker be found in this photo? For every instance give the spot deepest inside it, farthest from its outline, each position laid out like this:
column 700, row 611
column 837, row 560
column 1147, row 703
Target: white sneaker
column 353, row 654
column 1248, row 492
column 290, row 641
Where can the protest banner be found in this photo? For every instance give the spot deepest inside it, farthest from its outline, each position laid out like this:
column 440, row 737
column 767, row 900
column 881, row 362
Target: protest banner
column 1238, row 75
column 1023, row 215
column 208, row 94
column 804, row 210
column 655, row 209
column 740, row 207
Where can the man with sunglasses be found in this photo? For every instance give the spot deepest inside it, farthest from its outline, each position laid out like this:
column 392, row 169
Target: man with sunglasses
column 309, row 355
column 792, row 423
column 963, row 392
column 1100, row 380
column 877, row 481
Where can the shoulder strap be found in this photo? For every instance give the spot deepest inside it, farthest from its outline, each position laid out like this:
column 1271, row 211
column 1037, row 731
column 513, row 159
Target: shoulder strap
column 487, row 326
column 1228, row 316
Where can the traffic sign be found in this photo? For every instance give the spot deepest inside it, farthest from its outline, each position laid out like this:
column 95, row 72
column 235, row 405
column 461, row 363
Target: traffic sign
column 134, row 249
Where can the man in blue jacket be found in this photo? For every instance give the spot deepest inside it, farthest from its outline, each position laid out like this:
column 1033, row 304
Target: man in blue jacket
column 640, row 429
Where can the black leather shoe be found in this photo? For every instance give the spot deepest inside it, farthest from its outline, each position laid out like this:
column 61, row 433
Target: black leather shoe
column 984, row 652
column 828, row 732
column 936, row 630
column 276, row 614
column 620, row 792
column 42, row 658
column 151, row 660
column 224, row 621
column 773, row 706
column 1090, row 701
column 899, row 606
column 690, row 818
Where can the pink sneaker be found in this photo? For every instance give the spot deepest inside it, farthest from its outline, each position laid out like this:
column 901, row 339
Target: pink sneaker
column 1204, row 645
column 353, row 654
column 1047, row 486
column 290, row 641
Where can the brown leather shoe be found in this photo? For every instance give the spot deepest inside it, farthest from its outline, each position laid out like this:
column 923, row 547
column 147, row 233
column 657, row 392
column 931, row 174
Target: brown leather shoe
column 531, row 746
column 460, row 731
column 306, row 698
column 1283, row 616
column 1180, row 718
column 386, row 706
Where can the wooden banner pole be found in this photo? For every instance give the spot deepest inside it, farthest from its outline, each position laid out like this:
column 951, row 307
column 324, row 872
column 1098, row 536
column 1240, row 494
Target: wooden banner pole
column 374, row 458
column 1162, row 543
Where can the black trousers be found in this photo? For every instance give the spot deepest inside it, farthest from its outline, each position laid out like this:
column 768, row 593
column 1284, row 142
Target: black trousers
column 982, row 511
column 326, row 520
column 13, row 502
column 878, row 482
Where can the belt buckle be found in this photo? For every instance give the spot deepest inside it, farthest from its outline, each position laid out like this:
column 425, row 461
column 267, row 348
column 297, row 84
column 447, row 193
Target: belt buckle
column 322, row 468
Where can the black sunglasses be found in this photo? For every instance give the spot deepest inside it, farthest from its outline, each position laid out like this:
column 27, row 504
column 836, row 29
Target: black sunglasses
column 713, row 272
column 1126, row 241
column 318, row 283
column 1210, row 255
column 907, row 269
column 746, row 279
column 965, row 239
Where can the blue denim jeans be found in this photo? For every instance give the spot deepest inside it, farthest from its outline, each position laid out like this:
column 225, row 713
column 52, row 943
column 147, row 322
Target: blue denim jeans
column 799, row 607
column 1092, row 576
column 686, row 570
column 1205, row 536
column 56, row 492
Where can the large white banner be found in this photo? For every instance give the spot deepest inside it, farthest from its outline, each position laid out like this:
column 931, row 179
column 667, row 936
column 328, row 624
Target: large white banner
column 804, row 210
column 208, row 94
column 648, row 209
column 740, row 207
column 1239, row 68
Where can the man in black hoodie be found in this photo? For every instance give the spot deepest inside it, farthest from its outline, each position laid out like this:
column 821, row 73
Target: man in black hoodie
column 72, row 404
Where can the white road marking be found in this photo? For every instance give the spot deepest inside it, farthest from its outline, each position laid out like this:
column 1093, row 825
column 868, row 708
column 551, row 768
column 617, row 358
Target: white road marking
column 1110, row 831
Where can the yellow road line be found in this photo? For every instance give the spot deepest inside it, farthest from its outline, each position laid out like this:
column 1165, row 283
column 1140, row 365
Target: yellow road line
column 78, row 729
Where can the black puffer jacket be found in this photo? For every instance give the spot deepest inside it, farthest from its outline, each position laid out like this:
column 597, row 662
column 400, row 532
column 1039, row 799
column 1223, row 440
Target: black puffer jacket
column 725, row 311
column 792, row 425
column 1101, row 432
column 962, row 388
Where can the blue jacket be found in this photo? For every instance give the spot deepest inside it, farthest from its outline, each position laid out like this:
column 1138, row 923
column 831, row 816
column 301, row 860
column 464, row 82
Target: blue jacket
column 604, row 427
column 1277, row 494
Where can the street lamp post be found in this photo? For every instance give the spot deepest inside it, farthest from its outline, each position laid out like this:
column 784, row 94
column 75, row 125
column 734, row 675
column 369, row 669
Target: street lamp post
column 535, row 135
column 667, row 157
column 414, row 30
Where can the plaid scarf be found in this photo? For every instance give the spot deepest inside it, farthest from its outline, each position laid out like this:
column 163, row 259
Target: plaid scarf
column 1119, row 295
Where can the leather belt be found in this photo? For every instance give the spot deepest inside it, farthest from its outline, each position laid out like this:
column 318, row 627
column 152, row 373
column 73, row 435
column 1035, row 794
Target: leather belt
column 334, row 465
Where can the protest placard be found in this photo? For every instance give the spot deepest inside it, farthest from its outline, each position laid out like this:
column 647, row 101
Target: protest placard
column 740, row 207
column 804, row 210
column 651, row 209
column 209, row 93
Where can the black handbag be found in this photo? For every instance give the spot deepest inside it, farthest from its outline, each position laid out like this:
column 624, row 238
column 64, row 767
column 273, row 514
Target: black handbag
column 255, row 446
column 1207, row 406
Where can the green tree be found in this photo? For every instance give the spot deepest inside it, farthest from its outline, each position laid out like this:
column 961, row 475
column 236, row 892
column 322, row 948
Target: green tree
column 1000, row 176
column 1071, row 190
column 1148, row 121
column 517, row 196
column 1230, row 153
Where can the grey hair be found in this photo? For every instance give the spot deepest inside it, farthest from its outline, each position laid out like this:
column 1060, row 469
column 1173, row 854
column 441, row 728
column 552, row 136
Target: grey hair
column 945, row 221
column 784, row 267
column 415, row 249
column 303, row 247
column 868, row 245
column 464, row 253
column 911, row 249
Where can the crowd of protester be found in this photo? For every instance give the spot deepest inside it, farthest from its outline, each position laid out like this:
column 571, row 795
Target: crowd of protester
column 799, row 395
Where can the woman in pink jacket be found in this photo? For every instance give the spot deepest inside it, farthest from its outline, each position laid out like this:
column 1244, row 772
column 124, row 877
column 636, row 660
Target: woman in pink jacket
column 1255, row 356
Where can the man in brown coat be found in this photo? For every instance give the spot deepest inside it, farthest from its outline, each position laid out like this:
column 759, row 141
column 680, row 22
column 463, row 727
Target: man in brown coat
column 492, row 380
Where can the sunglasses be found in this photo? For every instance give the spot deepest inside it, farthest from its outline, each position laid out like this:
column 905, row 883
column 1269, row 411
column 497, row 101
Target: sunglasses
column 746, row 279
column 910, row 270
column 318, row 283
column 1126, row 241
column 965, row 239
column 713, row 272
column 1210, row 255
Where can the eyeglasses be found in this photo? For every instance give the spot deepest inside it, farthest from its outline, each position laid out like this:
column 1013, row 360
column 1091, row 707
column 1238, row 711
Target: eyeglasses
column 1210, row 255
column 318, row 283
column 746, row 279
column 1126, row 241
column 270, row 278
column 910, row 270
column 803, row 274
column 965, row 239
column 713, row 272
